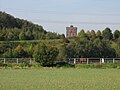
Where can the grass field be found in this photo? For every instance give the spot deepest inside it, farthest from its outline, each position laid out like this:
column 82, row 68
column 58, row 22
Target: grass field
column 59, row 79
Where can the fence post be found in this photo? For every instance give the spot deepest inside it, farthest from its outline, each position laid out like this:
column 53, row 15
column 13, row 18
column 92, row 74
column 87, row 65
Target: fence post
column 100, row 60
column 103, row 61
column 74, row 61
column 4, row 60
column 87, row 61
column 17, row 61
column 113, row 60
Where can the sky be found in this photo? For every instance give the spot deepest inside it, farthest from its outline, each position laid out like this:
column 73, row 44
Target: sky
column 56, row 15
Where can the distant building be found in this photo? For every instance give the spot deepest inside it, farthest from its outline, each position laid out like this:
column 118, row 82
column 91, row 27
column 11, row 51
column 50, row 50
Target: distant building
column 71, row 31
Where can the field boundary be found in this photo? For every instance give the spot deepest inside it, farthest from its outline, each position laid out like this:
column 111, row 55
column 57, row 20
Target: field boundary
column 68, row 60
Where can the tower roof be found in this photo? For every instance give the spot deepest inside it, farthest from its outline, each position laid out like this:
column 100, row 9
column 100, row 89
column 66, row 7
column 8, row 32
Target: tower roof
column 71, row 25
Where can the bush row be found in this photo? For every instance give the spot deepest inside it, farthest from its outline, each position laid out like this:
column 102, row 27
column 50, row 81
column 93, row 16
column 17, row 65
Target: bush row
column 102, row 66
column 19, row 66
column 63, row 65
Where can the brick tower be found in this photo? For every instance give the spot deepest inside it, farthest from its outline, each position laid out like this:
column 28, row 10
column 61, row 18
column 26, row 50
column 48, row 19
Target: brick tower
column 71, row 31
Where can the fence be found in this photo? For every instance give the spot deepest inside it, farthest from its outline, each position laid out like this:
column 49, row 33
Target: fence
column 92, row 60
column 69, row 60
column 17, row 60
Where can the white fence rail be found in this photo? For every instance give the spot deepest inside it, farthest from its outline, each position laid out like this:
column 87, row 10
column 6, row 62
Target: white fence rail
column 92, row 60
column 17, row 60
column 69, row 60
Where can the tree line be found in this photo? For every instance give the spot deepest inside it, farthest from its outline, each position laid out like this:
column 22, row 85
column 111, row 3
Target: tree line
column 93, row 44
column 90, row 44
column 12, row 28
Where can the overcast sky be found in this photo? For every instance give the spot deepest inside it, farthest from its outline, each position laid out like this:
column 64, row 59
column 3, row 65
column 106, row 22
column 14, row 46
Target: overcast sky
column 56, row 15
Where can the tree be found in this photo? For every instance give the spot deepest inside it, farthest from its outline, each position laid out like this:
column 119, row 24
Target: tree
column 93, row 35
column 107, row 34
column 30, row 50
column 3, row 48
column 29, row 35
column 8, row 54
column 62, row 53
column 116, row 34
column 66, row 40
column 19, row 29
column 71, row 50
column 22, row 36
column 116, row 46
column 82, row 47
column 88, row 34
column 106, row 50
column 52, row 55
column 44, row 55
column 62, row 36
column 98, row 34
column 50, row 35
column 19, row 52
column 40, row 54
column 2, row 33
column 10, row 36
column 82, row 34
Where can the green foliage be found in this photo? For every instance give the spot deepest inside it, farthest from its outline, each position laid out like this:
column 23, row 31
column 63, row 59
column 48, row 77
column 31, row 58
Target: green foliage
column 40, row 54
column 107, row 34
column 116, row 47
column 63, row 65
column 116, row 34
column 86, row 45
column 45, row 55
column 8, row 54
column 100, row 66
column 3, row 65
column 98, row 34
column 93, row 35
column 103, row 49
column 71, row 50
column 12, row 28
column 3, row 48
column 82, row 34
column 82, row 47
column 7, row 21
column 52, row 55
column 62, row 53
column 20, row 66
column 22, row 36
column 19, row 52
column 30, row 50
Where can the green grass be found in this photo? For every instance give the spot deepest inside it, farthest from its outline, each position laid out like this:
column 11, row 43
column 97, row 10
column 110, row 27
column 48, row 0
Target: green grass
column 59, row 79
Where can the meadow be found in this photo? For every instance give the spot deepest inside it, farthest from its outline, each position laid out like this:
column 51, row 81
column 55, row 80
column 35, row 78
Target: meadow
column 59, row 79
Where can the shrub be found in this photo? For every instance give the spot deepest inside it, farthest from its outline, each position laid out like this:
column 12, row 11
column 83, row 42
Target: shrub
column 45, row 55
column 106, row 65
column 3, row 65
